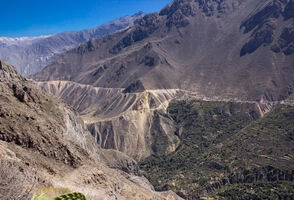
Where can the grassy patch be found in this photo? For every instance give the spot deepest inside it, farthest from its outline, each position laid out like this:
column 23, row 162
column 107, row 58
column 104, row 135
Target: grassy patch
column 49, row 193
column 224, row 144
column 258, row 191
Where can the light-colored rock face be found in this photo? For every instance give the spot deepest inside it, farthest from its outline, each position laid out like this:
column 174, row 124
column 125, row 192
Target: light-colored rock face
column 43, row 143
column 134, row 123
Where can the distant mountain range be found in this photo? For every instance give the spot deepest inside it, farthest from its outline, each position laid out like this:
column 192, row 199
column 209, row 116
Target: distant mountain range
column 200, row 93
column 31, row 54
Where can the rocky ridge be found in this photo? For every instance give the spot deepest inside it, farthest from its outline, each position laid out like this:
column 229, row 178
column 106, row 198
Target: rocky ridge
column 234, row 57
column 44, row 144
column 31, row 54
column 228, row 49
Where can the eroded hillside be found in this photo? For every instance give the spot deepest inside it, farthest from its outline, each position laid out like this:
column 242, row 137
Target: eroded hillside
column 190, row 48
column 234, row 57
column 44, row 144
column 134, row 123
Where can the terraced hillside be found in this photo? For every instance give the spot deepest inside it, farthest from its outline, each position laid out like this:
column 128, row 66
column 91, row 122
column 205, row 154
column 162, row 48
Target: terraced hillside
column 227, row 151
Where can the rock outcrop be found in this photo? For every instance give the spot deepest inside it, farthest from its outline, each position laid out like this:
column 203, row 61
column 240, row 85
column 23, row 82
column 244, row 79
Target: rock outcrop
column 220, row 50
column 43, row 143
column 265, row 29
column 134, row 123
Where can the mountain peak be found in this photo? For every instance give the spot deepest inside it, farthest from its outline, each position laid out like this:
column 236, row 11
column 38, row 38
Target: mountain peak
column 191, row 7
column 8, row 73
column 138, row 14
column 31, row 54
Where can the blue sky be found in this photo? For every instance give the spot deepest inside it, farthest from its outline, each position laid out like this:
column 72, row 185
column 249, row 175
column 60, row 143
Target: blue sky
column 42, row 17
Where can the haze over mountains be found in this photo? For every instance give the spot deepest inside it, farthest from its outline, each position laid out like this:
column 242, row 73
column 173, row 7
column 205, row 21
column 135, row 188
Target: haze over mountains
column 31, row 54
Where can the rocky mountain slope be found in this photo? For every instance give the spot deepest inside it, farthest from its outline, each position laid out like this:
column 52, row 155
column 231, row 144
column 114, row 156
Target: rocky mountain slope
column 43, row 144
column 234, row 57
column 129, row 122
column 210, row 50
column 230, row 49
column 134, row 123
column 31, row 54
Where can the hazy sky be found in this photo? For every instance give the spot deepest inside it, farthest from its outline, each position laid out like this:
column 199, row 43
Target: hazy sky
column 43, row 17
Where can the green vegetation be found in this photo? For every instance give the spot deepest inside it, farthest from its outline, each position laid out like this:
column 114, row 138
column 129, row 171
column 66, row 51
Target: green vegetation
column 71, row 196
column 258, row 191
column 223, row 145
column 50, row 193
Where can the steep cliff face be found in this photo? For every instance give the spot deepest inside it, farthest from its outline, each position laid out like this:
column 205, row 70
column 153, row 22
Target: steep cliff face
column 44, row 144
column 138, row 132
column 134, row 123
column 24, row 110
